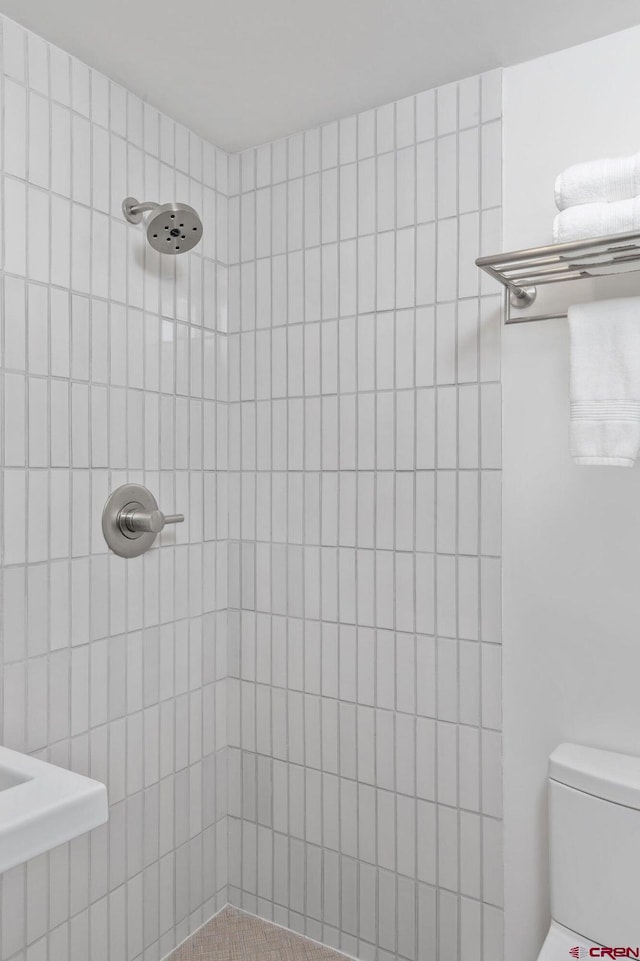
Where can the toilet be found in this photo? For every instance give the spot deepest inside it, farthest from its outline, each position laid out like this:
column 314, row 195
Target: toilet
column 594, row 824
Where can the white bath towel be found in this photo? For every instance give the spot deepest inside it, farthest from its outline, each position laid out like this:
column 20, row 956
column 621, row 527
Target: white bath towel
column 607, row 180
column 596, row 220
column 605, row 382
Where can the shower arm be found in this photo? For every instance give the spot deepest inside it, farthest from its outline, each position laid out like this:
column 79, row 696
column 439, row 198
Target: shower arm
column 133, row 209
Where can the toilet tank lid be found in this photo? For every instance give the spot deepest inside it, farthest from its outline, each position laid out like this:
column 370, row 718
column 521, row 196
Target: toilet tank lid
column 605, row 774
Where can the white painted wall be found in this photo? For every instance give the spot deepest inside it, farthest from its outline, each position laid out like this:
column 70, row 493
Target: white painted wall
column 571, row 534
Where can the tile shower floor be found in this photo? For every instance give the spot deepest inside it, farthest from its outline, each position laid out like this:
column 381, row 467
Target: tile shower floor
column 234, row 936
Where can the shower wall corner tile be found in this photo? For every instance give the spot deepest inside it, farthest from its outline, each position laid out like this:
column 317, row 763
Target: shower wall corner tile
column 364, row 517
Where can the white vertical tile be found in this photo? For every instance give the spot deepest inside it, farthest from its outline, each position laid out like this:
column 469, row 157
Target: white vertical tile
column 446, row 99
column 38, row 140
column 425, row 115
column 15, row 420
column 491, row 86
column 425, row 264
column 14, row 50
column 491, row 146
column 447, row 240
column 15, row 200
column 468, row 173
column 15, row 131
column 15, row 516
column 38, row 208
column 447, row 161
column 60, row 75
column 469, row 101
column 80, row 87
column 38, row 423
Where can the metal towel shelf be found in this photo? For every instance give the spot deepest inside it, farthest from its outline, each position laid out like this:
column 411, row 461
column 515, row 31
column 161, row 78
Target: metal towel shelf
column 522, row 271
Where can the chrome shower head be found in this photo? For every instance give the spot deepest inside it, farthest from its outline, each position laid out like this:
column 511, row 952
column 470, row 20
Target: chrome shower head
column 171, row 228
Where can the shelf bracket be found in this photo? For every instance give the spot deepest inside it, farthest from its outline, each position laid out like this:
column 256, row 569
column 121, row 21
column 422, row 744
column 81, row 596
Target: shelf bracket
column 522, row 297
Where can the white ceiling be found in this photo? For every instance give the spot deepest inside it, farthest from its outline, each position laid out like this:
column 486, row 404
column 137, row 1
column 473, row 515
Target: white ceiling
column 242, row 72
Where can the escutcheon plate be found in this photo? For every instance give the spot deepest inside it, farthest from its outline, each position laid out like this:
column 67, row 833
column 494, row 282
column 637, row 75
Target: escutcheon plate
column 131, row 544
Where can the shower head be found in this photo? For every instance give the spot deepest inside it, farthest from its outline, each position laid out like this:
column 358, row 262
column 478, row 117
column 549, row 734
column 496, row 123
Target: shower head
column 171, row 228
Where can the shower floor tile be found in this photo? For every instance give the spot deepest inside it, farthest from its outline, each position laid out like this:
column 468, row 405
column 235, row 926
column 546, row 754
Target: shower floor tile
column 234, row 936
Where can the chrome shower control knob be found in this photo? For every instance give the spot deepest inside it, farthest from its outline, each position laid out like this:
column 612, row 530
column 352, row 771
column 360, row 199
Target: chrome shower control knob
column 134, row 520
column 131, row 520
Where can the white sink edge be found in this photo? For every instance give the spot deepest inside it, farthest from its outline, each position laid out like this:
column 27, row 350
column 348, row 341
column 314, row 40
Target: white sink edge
column 53, row 806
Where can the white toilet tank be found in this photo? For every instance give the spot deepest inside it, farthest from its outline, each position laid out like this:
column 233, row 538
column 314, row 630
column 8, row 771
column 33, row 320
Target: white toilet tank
column 594, row 812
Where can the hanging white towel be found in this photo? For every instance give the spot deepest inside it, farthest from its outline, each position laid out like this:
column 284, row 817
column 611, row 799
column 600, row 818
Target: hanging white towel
column 605, row 382
column 610, row 179
column 596, row 220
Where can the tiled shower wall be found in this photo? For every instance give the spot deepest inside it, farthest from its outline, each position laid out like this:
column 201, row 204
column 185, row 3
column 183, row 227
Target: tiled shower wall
column 364, row 458
column 363, row 437
column 113, row 370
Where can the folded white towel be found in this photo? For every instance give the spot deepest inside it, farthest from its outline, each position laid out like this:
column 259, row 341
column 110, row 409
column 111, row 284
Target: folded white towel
column 596, row 220
column 612, row 179
column 605, row 382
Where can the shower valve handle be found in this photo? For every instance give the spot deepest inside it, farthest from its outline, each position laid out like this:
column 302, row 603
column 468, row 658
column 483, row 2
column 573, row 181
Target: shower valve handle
column 133, row 519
